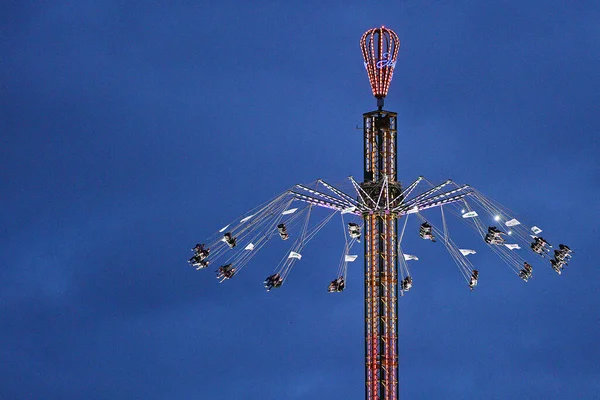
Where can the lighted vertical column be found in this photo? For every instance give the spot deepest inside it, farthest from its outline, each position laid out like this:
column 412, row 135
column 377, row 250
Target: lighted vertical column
column 381, row 276
column 381, row 193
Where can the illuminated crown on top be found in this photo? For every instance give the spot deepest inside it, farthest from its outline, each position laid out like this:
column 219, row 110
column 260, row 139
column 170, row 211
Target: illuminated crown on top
column 380, row 50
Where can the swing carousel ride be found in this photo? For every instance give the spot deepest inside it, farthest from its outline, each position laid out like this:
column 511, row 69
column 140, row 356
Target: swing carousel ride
column 377, row 211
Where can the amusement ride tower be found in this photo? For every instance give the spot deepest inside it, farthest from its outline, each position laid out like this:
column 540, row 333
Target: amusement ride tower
column 380, row 49
column 372, row 211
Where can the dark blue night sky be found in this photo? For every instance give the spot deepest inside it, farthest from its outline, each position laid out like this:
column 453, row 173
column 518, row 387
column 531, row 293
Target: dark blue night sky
column 129, row 131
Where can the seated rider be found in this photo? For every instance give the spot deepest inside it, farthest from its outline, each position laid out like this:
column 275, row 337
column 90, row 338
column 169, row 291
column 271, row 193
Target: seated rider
column 493, row 238
column 526, row 272
column 565, row 248
column 557, row 266
column 273, row 281
column 538, row 245
column 406, row 283
column 231, row 241
column 226, row 271
column 196, row 259
column 425, row 232
column 559, row 255
column 200, row 265
column 283, row 231
column 474, row 278
column 336, row 285
column 562, row 254
column 229, row 273
column 332, row 286
column 278, row 281
column 354, row 230
column 198, row 248
column 542, row 241
column 562, row 260
column 202, row 254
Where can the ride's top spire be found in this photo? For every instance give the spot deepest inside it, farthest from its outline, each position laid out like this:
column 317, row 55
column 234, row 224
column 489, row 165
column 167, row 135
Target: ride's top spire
column 380, row 49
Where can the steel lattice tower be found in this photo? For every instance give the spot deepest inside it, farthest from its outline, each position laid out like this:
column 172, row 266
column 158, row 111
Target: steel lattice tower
column 380, row 48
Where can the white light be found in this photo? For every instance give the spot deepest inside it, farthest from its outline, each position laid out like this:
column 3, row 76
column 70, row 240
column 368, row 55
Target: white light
column 510, row 232
column 497, row 218
column 462, row 211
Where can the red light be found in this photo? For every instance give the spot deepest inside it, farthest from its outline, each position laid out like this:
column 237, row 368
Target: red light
column 380, row 51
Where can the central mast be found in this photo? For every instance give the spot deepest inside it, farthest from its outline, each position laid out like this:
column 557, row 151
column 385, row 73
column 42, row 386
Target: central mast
column 382, row 193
